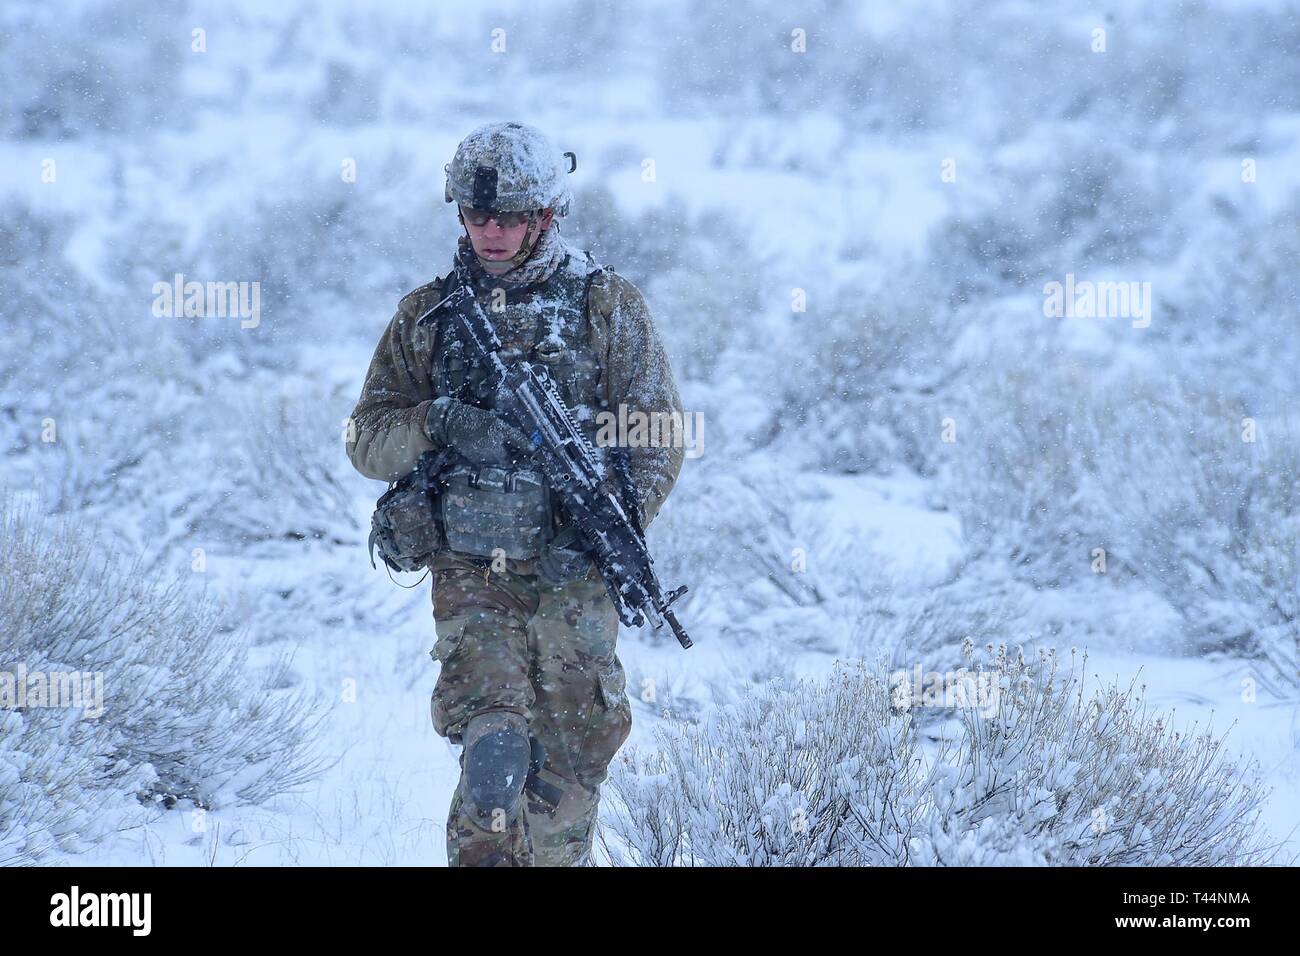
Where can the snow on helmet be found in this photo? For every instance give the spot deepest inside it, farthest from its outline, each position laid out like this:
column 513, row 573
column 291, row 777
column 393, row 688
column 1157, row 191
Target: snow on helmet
column 510, row 167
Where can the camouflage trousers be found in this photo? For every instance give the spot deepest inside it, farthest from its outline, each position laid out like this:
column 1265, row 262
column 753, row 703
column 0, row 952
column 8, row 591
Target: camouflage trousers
column 509, row 642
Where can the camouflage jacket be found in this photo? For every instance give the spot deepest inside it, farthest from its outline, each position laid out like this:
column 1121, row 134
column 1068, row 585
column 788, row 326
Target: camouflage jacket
column 387, row 429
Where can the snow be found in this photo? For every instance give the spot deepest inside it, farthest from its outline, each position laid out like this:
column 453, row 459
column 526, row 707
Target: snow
column 821, row 199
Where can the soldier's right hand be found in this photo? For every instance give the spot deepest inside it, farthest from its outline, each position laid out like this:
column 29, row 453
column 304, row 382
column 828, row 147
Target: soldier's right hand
column 481, row 435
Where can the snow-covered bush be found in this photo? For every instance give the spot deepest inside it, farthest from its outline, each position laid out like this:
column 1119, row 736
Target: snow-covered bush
column 751, row 64
column 276, row 467
column 1076, row 207
column 830, row 773
column 115, row 438
column 1155, row 82
column 348, row 94
column 330, row 258
column 182, row 717
column 1064, row 777
column 863, row 371
column 116, row 70
column 86, row 387
column 804, row 775
column 1021, row 470
column 669, row 690
column 1206, row 515
column 269, row 453
column 1006, row 66
column 331, row 240
column 735, row 536
column 1227, row 316
column 47, row 313
column 699, row 274
column 996, row 57
column 701, row 304
column 930, row 627
column 598, row 35
column 1065, row 473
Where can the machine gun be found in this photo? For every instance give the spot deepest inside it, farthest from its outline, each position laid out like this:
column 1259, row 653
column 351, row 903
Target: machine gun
column 599, row 500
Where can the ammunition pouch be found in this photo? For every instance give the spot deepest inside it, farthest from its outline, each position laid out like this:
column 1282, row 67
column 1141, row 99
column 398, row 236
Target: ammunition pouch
column 406, row 526
column 485, row 509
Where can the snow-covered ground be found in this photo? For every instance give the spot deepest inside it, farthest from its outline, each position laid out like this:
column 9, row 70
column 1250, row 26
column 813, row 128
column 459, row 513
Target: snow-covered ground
column 384, row 802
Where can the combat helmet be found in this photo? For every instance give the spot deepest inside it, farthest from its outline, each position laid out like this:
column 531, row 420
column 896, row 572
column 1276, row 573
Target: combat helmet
column 511, row 167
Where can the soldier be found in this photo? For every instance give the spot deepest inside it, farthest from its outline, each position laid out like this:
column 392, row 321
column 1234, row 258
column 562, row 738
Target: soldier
column 531, row 685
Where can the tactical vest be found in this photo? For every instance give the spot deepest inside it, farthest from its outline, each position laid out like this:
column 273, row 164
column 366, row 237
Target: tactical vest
column 487, row 509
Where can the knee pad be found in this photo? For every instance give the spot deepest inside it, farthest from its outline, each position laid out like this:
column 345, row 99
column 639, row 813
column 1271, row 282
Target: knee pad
column 497, row 758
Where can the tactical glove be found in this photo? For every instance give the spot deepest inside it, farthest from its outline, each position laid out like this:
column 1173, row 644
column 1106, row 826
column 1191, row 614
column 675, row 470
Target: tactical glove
column 481, row 435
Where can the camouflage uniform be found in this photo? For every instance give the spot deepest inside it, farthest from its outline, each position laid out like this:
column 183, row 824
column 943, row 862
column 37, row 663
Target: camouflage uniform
column 508, row 641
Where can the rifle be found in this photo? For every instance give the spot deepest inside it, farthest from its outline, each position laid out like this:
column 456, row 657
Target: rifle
column 602, row 507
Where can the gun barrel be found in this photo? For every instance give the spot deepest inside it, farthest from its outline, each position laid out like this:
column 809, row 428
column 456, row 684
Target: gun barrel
column 678, row 631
